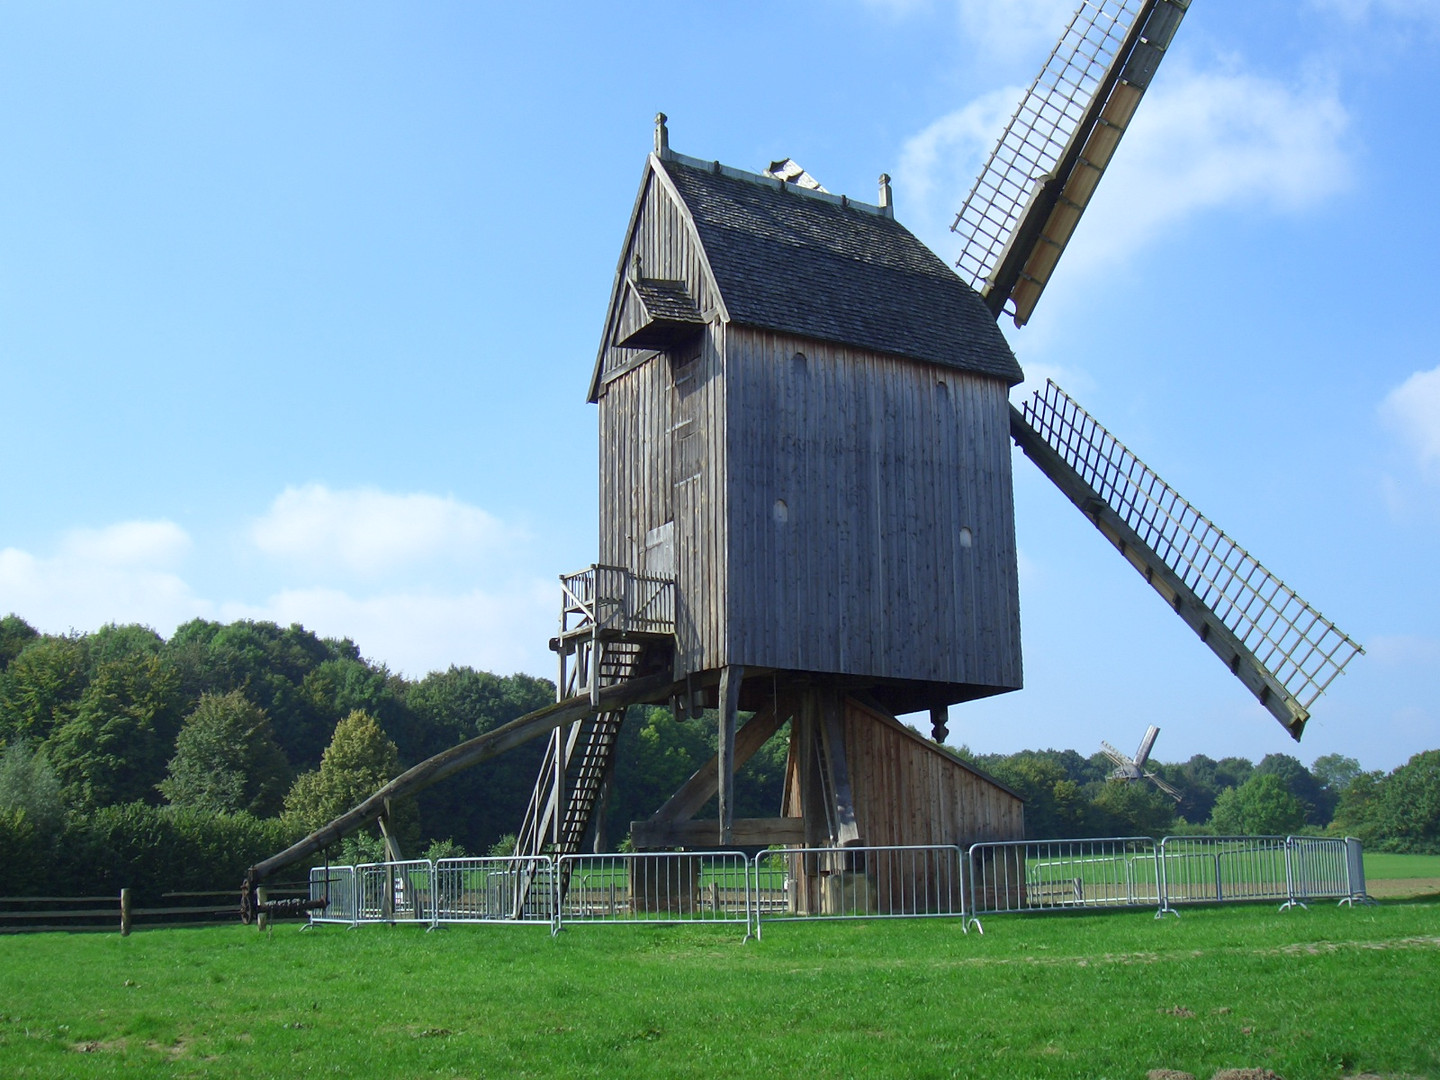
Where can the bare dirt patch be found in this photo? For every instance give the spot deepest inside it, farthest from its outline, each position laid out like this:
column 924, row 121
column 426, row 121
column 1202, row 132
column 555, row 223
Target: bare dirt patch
column 95, row 1046
column 1402, row 888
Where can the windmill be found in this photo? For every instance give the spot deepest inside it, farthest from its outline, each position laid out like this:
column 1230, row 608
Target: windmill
column 1130, row 769
column 806, row 509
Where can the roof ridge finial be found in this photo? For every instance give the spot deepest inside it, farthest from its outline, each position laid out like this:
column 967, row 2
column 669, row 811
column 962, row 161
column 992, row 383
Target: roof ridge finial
column 887, row 201
column 662, row 135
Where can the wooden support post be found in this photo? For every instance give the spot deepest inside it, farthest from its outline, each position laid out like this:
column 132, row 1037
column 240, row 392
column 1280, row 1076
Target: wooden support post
column 392, row 856
column 730, row 679
column 803, row 748
column 262, row 917
column 599, row 834
column 939, row 714
column 392, row 845
column 124, row 912
column 832, row 742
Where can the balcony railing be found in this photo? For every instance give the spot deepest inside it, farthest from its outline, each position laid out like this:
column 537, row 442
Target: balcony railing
column 610, row 600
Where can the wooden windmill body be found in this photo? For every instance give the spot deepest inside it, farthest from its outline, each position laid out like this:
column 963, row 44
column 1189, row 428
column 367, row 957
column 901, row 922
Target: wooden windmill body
column 804, row 425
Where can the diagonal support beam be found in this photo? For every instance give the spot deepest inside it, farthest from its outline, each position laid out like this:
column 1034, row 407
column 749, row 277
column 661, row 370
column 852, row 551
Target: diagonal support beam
column 705, row 782
column 837, row 767
column 468, row 754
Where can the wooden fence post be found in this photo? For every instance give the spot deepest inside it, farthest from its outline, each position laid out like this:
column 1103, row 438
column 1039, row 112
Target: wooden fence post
column 262, row 897
column 124, row 912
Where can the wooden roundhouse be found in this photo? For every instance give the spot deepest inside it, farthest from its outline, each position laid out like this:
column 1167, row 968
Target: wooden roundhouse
column 805, row 513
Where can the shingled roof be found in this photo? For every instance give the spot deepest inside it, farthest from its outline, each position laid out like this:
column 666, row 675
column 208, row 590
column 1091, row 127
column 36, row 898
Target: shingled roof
column 789, row 261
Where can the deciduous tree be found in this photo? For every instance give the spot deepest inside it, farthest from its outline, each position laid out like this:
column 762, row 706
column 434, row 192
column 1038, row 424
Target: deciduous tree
column 357, row 763
column 226, row 759
column 1262, row 806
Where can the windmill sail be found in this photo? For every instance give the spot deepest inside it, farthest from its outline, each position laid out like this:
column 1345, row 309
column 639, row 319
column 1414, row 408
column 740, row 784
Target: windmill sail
column 1039, row 178
column 1123, row 765
column 1275, row 643
column 1147, row 744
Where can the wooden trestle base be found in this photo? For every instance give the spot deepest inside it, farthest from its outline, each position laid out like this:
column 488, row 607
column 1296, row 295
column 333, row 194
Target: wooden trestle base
column 854, row 776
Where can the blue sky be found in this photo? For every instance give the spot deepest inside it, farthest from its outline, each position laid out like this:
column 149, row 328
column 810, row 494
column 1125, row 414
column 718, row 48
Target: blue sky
column 298, row 305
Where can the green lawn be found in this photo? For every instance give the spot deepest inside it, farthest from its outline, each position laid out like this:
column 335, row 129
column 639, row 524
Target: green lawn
column 1382, row 867
column 1305, row 993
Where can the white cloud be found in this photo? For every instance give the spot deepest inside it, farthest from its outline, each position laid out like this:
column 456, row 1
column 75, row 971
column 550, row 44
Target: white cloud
column 503, row 630
column 938, row 165
column 1016, row 28
column 130, row 543
column 121, row 573
column 1203, row 140
column 1002, row 29
column 371, row 532
column 422, row 601
column 1200, row 140
column 1412, row 409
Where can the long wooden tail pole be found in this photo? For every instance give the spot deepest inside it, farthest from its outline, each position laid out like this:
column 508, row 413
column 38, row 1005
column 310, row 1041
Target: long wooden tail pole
column 464, row 756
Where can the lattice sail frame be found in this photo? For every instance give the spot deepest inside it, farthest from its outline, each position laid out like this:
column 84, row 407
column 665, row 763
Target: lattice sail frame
column 1042, row 127
column 1281, row 647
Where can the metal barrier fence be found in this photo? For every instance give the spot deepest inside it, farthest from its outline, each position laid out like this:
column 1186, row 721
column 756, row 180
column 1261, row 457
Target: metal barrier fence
column 846, row 883
column 1355, row 872
column 514, row 889
column 1319, row 869
column 335, row 885
column 392, row 892
column 1054, row 875
column 1291, row 869
column 913, row 881
column 655, row 887
column 1215, row 869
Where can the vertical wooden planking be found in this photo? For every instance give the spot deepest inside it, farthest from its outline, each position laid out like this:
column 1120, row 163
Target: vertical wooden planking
column 878, row 472
column 908, row 792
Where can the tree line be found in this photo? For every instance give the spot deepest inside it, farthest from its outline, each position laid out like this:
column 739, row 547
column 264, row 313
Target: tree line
column 131, row 759
column 1069, row 795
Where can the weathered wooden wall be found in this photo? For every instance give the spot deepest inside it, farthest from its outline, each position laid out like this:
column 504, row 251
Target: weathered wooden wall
column 662, row 446
column 904, row 792
column 817, row 493
column 850, row 478
column 908, row 792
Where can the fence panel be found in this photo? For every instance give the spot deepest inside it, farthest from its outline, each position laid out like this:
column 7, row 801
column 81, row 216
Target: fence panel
column 1054, row 875
column 1319, row 868
column 1215, row 869
column 1355, row 873
column 393, row 892
column 655, row 887
column 514, row 889
column 337, row 886
column 911, row 881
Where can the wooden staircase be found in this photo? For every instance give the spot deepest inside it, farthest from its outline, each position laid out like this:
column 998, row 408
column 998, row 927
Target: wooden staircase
column 612, row 626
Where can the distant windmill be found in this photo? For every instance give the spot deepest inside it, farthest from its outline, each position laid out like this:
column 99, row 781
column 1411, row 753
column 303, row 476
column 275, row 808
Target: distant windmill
column 1128, row 769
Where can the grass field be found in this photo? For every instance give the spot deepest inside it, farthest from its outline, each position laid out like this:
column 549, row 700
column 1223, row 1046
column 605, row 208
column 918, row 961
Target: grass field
column 1389, row 876
column 1321, row 993
column 1381, row 866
